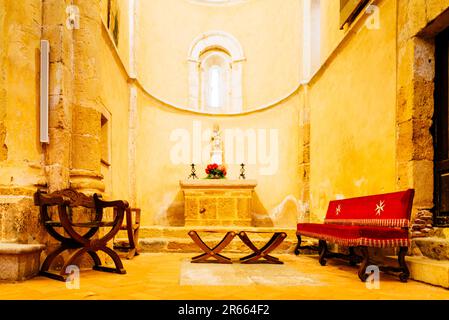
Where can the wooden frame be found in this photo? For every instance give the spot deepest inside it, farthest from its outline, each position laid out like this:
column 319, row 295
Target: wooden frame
column 132, row 229
column 253, row 258
column 262, row 253
column 212, row 252
column 350, row 9
column 362, row 259
column 65, row 200
column 440, row 128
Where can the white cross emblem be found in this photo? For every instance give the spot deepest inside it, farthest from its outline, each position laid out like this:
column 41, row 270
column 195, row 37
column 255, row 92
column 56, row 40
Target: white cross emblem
column 380, row 207
column 337, row 211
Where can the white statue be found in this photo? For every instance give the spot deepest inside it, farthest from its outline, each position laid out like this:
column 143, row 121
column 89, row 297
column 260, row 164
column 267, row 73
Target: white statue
column 216, row 153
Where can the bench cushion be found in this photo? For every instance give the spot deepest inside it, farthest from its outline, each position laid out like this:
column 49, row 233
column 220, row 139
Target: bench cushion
column 342, row 235
column 350, row 236
column 385, row 210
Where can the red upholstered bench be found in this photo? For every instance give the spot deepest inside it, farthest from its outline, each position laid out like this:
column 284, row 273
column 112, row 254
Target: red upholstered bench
column 358, row 223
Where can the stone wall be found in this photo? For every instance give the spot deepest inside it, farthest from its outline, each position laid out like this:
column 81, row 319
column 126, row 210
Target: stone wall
column 352, row 102
column 418, row 24
column 21, row 155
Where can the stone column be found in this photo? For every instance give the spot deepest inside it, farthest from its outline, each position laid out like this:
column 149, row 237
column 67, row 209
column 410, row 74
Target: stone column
column 21, row 170
column 304, row 161
column 59, row 33
column 86, row 119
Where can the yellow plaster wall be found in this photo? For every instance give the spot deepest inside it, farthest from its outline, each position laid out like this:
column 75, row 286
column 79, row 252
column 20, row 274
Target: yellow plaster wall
column 124, row 18
column 158, row 191
column 353, row 104
column 268, row 30
column 331, row 35
column 115, row 99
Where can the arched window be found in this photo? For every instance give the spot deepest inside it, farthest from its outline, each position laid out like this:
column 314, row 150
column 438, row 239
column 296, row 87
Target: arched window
column 215, row 86
column 215, row 73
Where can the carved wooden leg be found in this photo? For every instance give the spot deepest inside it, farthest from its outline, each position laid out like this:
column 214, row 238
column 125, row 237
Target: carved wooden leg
column 299, row 244
column 95, row 258
column 405, row 274
column 45, row 269
column 262, row 253
column 52, row 256
column 323, row 252
column 214, row 252
column 362, row 269
column 71, row 261
column 117, row 262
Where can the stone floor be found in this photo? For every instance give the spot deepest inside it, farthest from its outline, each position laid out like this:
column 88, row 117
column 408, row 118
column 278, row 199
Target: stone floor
column 157, row 276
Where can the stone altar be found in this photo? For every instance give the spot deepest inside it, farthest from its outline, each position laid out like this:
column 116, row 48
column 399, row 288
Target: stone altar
column 218, row 202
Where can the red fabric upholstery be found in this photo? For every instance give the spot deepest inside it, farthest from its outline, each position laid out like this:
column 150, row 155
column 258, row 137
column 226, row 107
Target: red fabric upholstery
column 388, row 210
column 342, row 235
column 375, row 221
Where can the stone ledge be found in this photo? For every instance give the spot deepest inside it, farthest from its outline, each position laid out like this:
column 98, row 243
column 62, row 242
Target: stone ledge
column 188, row 246
column 426, row 270
column 217, row 184
column 17, row 248
column 19, row 262
column 433, row 247
column 182, row 232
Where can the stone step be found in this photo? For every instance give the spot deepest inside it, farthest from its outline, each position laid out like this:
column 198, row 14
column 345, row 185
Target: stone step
column 441, row 233
column 436, row 248
column 19, row 262
column 182, row 232
column 185, row 244
column 425, row 269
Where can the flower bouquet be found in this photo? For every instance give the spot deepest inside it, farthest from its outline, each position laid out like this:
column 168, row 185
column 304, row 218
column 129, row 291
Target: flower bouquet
column 215, row 171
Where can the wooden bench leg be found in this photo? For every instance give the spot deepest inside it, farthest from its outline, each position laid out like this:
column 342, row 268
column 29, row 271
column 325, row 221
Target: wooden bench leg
column 405, row 274
column 298, row 246
column 354, row 259
column 365, row 262
column 323, row 252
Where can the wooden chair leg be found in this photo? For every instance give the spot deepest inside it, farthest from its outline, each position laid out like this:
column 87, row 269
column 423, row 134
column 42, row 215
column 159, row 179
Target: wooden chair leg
column 262, row 253
column 211, row 252
column 405, row 274
column 298, row 246
column 115, row 258
column 323, row 252
column 71, row 260
column 362, row 269
column 51, row 257
column 95, row 258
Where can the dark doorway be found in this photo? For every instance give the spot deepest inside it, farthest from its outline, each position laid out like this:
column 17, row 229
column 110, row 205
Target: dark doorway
column 440, row 129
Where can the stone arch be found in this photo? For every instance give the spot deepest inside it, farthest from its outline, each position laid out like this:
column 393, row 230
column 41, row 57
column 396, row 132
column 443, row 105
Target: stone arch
column 216, row 39
column 220, row 41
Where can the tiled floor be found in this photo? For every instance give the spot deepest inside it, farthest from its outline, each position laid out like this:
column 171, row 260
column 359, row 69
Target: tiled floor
column 157, row 276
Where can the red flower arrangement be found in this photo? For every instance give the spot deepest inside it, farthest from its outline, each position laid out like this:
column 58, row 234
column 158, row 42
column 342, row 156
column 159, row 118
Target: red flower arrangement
column 215, row 171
